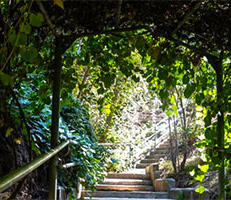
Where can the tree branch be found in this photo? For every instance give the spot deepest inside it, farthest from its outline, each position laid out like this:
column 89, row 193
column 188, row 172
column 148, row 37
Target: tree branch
column 187, row 17
column 23, row 117
column 41, row 7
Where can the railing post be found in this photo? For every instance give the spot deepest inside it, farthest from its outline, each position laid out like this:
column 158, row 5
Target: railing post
column 57, row 67
column 130, row 155
column 155, row 136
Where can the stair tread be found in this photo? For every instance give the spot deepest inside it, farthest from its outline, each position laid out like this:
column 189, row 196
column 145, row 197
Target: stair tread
column 110, row 187
column 127, row 194
column 128, row 176
column 150, row 161
column 126, row 181
column 123, row 185
column 102, row 198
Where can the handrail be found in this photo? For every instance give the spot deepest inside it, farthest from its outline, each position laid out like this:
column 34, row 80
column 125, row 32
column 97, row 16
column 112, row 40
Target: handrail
column 13, row 177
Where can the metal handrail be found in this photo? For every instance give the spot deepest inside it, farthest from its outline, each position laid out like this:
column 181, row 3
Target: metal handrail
column 13, row 177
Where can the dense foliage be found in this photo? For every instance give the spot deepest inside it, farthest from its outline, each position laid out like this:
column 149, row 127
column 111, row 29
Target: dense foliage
column 191, row 54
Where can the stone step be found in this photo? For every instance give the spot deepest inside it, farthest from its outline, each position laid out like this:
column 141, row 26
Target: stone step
column 128, row 176
column 108, row 198
column 166, row 148
column 149, row 161
column 144, row 165
column 124, row 187
column 160, row 151
column 157, row 154
column 164, row 145
column 115, row 181
column 127, row 194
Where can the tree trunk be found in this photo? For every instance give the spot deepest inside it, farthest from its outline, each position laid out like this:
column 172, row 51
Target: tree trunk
column 55, row 118
column 172, row 149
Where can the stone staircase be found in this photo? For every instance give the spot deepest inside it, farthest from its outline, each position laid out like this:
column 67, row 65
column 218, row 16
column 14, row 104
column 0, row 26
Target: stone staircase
column 135, row 184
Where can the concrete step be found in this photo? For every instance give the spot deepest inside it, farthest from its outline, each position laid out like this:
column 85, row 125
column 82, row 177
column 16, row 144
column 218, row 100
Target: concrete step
column 149, row 161
column 144, row 165
column 128, row 176
column 160, row 151
column 124, row 187
column 108, row 198
column 115, row 181
column 165, row 145
column 166, row 148
column 157, row 154
column 127, row 194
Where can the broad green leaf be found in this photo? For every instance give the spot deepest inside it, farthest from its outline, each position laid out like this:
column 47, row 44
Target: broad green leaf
column 6, row 79
column 199, row 177
column 162, row 74
column 163, row 94
column 185, row 79
column 172, row 99
column 22, row 40
column 29, row 54
column 107, row 109
column 155, row 52
column 25, row 28
column 169, row 113
column 200, row 189
column 59, row 3
column 36, row 19
column 12, row 37
column 204, row 168
column 9, row 131
column 174, row 108
column 189, row 90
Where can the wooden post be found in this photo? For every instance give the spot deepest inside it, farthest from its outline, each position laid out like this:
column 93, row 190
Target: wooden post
column 55, row 118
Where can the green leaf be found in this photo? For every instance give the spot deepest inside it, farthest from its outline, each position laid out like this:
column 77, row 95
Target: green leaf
column 135, row 78
column 169, row 113
column 155, row 52
column 29, row 54
column 200, row 189
column 189, row 90
column 163, row 94
column 199, row 98
column 185, row 79
column 174, row 108
column 25, row 28
column 6, row 79
column 199, row 177
column 162, row 74
column 9, row 131
column 12, row 37
column 107, row 109
column 59, row 3
column 36, row 19
column 204, row 168
column 22, row 39
column 172, row 99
